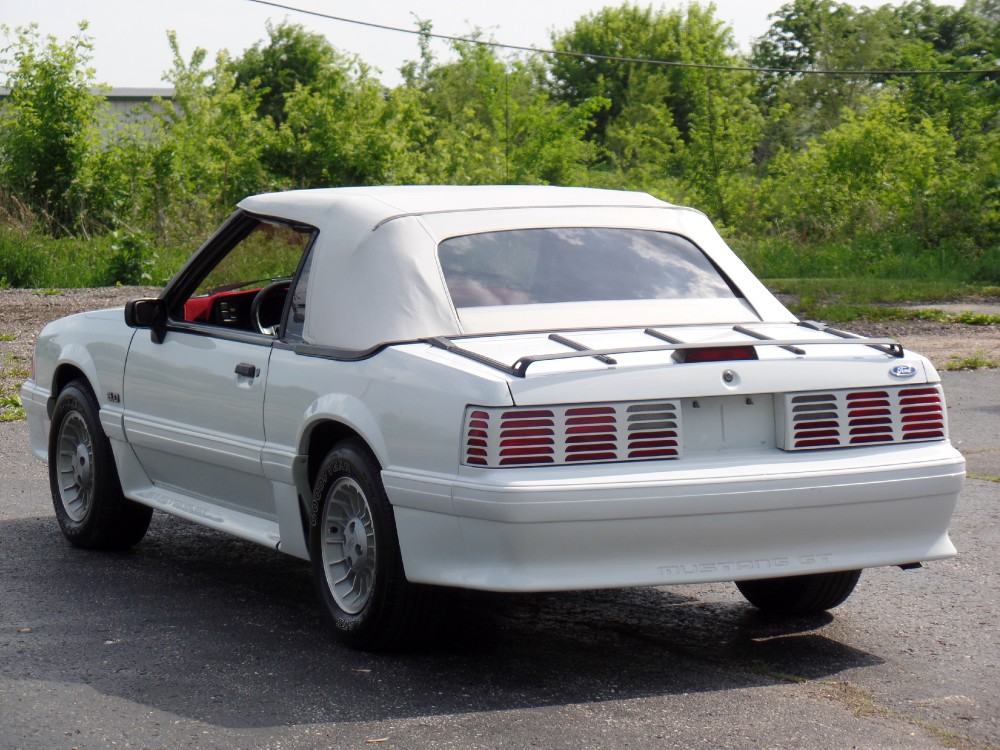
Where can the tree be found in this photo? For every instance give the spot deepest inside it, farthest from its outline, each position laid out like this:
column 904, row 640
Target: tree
column 334, row 123
column 292, row 58
column 344, row 131
column 816, row 35
column 491, row 121
column 692, row 35
column 669, row 128
column 811, row 35
column 881, row 172
column 213, row 141
column 724, row 129
column 49, row 123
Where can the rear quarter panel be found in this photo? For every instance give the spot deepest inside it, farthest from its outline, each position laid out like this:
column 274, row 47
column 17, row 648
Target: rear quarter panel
column 404, row 402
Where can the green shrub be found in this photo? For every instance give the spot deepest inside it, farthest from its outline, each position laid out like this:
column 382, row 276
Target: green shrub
column 22, row 261
column 49, row 123
column 987, row 270
column 128, row 262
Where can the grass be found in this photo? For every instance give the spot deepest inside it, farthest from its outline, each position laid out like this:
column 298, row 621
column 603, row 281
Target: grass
column 841, row 313
column 11, row 409
column 873, row 257
column 978, row 361
column 30, row 259
column 840, row 300
column 984, row 477
column 858, row 278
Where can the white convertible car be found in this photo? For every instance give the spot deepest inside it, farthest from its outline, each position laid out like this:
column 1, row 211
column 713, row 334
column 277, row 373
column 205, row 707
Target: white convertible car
column 500, row 388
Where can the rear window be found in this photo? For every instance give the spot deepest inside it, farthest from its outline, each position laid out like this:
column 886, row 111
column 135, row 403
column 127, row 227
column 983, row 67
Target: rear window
column 537, row 266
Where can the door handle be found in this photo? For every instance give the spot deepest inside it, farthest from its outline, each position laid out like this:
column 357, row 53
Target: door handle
column 246, row 370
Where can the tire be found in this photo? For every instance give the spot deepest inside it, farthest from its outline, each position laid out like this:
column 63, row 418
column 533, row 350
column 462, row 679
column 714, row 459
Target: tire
column 800, row 595
column 357, row 566
column 86, row 491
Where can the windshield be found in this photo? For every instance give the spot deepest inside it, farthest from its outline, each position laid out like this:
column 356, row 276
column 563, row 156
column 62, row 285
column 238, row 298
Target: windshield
column 580, row 264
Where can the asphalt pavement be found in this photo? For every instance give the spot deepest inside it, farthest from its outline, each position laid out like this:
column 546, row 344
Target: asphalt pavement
column 197, row 640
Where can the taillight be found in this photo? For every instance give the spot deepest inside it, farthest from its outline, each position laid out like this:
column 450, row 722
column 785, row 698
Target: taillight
column 922, row 411
column 838, row 419
column 526, row 437
column 498, row 437
column 715, row 354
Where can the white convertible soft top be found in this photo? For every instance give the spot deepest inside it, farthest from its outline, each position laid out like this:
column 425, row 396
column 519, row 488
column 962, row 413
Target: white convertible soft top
column 375, row 275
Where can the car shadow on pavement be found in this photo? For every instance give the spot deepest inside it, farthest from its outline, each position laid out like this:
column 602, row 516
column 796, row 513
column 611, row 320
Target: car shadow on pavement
column 202, row 626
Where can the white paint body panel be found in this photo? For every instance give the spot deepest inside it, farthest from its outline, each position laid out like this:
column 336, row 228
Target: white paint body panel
column 196, row 426
column 193, row 438
column 709, row 521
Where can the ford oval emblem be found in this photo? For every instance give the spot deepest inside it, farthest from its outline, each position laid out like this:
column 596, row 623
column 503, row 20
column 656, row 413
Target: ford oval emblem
column 903, row 371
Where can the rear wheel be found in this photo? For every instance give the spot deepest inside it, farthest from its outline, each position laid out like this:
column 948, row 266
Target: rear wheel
column 86, row 492
column 800, row 595
column 357, row 566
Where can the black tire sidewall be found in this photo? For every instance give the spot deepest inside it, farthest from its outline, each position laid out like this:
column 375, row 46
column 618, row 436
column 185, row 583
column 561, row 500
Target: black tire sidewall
column 76, row 399
column 800, row 595
column 111, row 521
column 350, row 460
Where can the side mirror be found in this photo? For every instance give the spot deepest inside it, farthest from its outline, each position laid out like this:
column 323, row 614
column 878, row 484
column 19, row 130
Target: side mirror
column 147, row 313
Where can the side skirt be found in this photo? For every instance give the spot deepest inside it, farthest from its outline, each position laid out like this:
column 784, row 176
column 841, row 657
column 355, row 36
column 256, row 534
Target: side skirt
column 138, row 487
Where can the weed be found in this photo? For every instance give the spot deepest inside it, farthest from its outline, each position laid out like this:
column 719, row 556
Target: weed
column 8, row 337
column 978, row 361
column 11, row 409
column 977, row 319
column 13, row 368
column 984, row 477
column 18, row 373
column 36, row 260
column 864, row 705
column 129, row 262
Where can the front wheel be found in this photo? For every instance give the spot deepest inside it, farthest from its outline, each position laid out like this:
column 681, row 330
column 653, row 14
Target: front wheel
column 357, row 566
column 86, row 492
column 800, row 595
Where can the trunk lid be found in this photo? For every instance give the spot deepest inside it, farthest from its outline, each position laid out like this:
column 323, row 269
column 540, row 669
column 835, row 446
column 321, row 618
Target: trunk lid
column 629, row 394
column 639, row 364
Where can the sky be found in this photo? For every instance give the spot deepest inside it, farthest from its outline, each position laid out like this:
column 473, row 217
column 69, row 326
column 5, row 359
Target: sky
column 130, row 36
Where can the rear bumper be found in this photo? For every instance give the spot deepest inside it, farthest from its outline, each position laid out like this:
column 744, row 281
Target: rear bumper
column 504, row 532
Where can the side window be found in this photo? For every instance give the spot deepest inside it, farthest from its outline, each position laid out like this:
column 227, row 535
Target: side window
column 247, row 288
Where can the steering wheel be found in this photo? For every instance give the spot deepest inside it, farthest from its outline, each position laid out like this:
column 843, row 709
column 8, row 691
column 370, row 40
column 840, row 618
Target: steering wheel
column 267, row 306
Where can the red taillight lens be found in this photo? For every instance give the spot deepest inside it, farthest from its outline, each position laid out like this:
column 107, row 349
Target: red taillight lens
column 835, row 419
column 498, row 437
column 716, row 354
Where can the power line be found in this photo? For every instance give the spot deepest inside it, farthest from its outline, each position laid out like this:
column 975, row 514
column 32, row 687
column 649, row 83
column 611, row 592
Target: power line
column 616, row 58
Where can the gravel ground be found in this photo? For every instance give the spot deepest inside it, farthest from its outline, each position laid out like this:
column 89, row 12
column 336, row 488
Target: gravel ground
column 23, row 312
